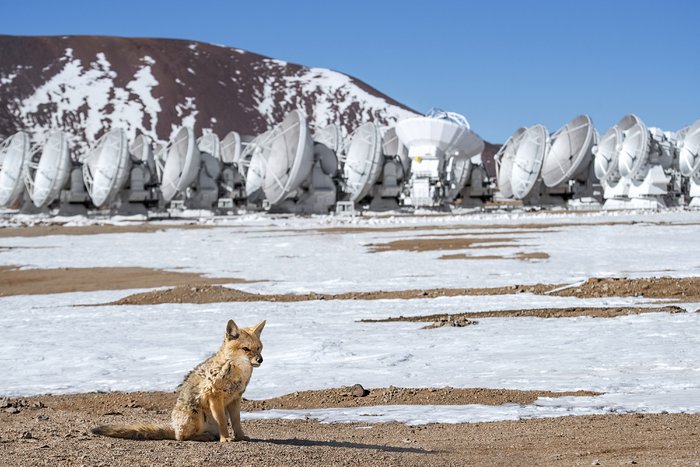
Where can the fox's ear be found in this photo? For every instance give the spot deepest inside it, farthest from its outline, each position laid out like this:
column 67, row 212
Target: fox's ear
column 259, row 327
column 232, row 331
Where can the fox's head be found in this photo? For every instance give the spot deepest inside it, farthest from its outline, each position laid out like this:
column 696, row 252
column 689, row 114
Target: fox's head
column 244, row 343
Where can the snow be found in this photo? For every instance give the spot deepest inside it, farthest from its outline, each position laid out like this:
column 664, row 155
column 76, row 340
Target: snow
column 92, row 85
column 292, row 256
column 334, row 93
column 643, row 363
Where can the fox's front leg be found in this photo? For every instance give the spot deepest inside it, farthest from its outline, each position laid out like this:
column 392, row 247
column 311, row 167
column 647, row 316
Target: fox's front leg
column 216, row 405
column 234, row 413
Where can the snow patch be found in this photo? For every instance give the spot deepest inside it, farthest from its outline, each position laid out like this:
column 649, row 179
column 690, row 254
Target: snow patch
column 88, row 92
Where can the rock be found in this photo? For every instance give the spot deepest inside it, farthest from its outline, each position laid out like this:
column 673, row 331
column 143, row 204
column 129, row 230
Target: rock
column 27, row 435
column 42, row 418
column 38, row 405
column 12, row 410
column 358, row 391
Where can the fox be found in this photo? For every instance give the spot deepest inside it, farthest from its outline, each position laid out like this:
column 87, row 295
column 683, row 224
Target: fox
column 209, row 393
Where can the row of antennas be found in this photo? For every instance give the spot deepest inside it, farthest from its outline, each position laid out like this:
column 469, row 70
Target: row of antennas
column 630, row 166
column 428, row 161
column 423, row 161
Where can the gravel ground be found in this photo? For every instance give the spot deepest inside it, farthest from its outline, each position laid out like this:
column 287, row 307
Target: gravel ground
column 54, row 430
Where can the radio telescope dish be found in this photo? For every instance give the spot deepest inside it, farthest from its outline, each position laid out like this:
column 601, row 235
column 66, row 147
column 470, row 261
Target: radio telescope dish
column 364, row 160
column 290, row 159
column 458, row 171
column 253, row 160
column 48, row 169
column 182, row 160
column 634, row 151
column 142, row 151
column 570, row 149
column 14, row 154
column 106, row 167
column 607, row 153
column 445, row 135
column 331, row 137
column 390, row 142
column 209, row 143
column 689, row 157
column 505, row 156
column 528, row 159
column 231, row 148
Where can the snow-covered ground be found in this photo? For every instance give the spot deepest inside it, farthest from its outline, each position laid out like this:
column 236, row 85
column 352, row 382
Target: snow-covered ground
column 291, row 255
column 648, row 362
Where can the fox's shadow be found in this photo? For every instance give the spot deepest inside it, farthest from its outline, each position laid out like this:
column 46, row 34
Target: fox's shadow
column 340, row 444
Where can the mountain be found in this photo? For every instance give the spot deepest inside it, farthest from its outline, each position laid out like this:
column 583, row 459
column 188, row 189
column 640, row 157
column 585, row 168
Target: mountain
column 86, row 84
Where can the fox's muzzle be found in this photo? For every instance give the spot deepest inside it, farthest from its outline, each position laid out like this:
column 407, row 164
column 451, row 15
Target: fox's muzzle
column 257, row 360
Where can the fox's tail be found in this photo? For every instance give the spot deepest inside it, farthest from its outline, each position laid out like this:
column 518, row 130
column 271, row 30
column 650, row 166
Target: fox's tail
column 136, row 431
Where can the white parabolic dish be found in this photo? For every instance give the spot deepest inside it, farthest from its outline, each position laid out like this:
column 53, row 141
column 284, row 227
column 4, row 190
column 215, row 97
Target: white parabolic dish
column 528, row 160
column 290, row 159
column 253, row 161
column 14, row 154
column 635, row 147
column 505, row 167
column 209, row 143
column 607, row 153
column 231, row 148
column 106, row 167
column 450, row 138
column 570, row 149
column 331, row 137
column 182, row 163
column 364, row 160
column 689, row 157
column 45, row 179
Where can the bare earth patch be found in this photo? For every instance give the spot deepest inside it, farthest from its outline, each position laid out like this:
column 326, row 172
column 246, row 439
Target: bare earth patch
column 437, row 244
column 56, row 432
column 57, row 229
column 347, row 396
column 685, row 289
column 520, row 256
column 15, row 281
column 218, row 294
column 458, row 319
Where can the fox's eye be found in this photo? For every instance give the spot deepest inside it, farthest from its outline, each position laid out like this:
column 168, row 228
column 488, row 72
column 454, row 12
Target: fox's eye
column 246, row 349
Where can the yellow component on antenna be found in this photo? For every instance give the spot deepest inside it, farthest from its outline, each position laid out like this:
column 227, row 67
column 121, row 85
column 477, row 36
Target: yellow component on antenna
column 417, row 159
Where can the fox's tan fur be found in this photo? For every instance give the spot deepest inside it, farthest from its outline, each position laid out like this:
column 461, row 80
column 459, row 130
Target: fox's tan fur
column 209, row 394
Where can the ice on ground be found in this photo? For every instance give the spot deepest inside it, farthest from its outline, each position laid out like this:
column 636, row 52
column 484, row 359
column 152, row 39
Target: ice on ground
column 319, row 344
column 682, row 401
column 303, row 260
column 647, row 362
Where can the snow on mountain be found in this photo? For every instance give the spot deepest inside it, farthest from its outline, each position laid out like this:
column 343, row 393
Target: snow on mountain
column 88, row 84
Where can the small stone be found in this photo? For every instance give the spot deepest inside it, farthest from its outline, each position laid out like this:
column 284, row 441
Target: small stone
column 12, row 410
column 38, row 405
column 358, row 391
column 595, row 462
column 42, row 418
column 27, row 435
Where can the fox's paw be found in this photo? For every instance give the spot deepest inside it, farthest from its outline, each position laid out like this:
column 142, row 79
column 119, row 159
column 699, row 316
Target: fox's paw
column 226, row 439
column 241, row 437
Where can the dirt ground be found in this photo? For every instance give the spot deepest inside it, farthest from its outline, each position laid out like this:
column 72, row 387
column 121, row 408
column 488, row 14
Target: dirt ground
column 52, row 431
column 685, row 289
column 465, row 319
column 15, row 281
column 45, row 230
column 520, row 255
column 440, row 244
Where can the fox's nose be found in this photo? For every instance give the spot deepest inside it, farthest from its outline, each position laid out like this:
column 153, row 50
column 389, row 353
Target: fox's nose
column 259, row 359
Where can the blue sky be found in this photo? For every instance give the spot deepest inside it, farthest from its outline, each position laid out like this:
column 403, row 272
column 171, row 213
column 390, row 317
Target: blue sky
column 501, row 64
